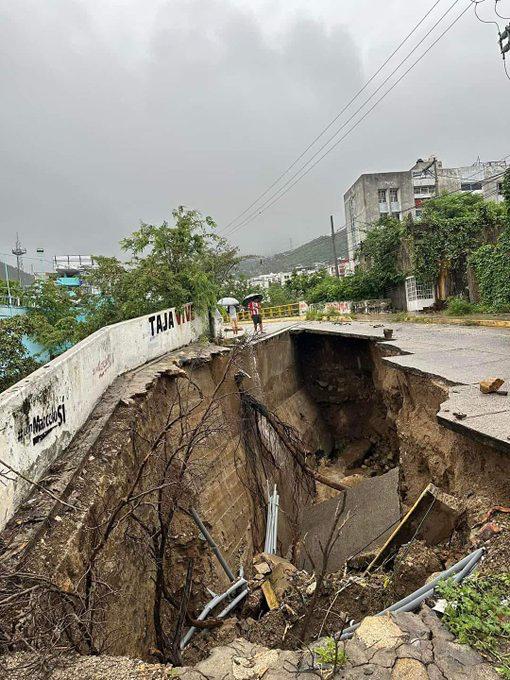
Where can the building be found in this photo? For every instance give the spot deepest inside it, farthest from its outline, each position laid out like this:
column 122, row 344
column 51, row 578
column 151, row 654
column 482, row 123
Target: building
column 398, row 193
column 71, row 269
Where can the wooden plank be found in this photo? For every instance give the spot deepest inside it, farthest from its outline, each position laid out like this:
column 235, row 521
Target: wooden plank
column 269, row 594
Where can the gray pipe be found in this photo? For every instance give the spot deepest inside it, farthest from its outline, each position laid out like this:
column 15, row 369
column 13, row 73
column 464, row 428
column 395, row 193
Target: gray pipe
column 461, row 569
column 213, row 545
column 210, row 606
column 233, row 604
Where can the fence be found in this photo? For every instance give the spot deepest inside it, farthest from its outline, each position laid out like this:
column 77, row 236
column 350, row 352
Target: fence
column 40, row 415
column 276, row 312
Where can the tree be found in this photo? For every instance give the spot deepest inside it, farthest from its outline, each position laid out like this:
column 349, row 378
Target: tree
column 491, row 262
column 52, row 313
column 169, row 266
column 379, row 252
column 452, row 227
column 300, row 284
column 15, row 361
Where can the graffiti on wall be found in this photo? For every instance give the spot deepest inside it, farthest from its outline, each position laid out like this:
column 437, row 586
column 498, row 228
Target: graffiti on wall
column 38, row 427
column 164, row 321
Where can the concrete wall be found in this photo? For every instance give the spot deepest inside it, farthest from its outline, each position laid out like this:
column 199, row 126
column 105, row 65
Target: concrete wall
column 41, row 414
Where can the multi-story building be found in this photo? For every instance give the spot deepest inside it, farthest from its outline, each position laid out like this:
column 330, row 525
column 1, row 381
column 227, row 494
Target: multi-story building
column 399, row 193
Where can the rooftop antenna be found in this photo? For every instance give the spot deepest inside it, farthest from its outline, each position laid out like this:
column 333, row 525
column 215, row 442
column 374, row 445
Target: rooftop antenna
column 19, row 251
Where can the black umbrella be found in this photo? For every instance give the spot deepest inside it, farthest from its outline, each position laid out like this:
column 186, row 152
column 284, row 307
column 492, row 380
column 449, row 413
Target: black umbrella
column 253, row 297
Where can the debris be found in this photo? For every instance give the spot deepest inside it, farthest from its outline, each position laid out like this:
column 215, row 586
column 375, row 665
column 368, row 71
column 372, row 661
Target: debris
column 310, row 590
column 388, row 333
column 495, row 509
column 262, row 568
column 355, row 453
column 413, row 563
column 459, row 416
column 490, row 385
column 432, row 518
column 373, row 507
column 487, row 532
column 269, row 594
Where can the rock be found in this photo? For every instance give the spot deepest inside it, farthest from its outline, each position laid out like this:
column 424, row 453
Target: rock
column 379, row 632
column 409, row 669
column 490, row 385
column 254, row 667
column 310, row 589
column 262, row 568
column 356, row 452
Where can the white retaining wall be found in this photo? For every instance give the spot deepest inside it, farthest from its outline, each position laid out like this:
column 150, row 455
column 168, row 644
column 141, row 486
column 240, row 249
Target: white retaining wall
column 41, row 414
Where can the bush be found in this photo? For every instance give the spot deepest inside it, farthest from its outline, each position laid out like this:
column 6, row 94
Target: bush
column 458, row 306
column 330, row 652
column 478, row 614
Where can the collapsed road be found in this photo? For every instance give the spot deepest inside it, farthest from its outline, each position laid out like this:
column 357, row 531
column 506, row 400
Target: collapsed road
column 390, row 466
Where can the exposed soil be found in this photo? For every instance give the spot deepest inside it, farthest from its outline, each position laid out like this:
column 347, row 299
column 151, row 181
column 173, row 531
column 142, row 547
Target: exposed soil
column 355, row 418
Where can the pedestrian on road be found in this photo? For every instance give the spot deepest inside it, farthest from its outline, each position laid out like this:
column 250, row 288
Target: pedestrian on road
column 256, row 315
column 232, row 313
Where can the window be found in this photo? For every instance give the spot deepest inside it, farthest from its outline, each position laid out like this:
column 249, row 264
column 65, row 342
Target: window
column 393, row 195
column 396, row 215
column 418, row 212
column 471, row 186
column 426, row 190
column 381, row 194
column 500, row 188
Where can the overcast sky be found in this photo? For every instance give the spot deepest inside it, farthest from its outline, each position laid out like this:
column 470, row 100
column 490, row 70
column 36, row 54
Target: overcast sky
column 114, row 111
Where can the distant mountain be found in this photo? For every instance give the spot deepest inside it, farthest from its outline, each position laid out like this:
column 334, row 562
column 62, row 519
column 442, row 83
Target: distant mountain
column 306, row 255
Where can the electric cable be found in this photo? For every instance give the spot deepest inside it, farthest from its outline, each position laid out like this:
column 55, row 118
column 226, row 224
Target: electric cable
column 275, row 196
column 324, row 130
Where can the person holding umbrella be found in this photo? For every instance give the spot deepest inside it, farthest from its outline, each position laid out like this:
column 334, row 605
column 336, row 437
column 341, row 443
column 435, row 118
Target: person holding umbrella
column 231, row 304
column 253, row 303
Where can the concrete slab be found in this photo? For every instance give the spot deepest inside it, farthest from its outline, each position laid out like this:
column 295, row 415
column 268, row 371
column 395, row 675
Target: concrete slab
column 432, row 518
column 372, row 509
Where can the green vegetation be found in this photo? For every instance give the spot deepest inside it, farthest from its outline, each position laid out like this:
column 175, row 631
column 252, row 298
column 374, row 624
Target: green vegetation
column 331, row 652
column 15, row 362
column 478, row 614
column 168, row 267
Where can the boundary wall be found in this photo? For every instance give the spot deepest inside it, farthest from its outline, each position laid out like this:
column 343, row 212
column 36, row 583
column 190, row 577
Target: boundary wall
column 41, row 414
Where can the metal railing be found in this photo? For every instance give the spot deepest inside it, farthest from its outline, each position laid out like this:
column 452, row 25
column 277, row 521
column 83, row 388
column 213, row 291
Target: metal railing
column 276, row 312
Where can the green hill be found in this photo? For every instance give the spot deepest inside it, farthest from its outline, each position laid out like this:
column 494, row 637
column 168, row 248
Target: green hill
column 306, row 255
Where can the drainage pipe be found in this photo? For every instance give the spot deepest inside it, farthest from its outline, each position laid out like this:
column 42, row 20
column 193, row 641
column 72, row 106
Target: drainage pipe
column 233, row 604
column 213, row 545
column 412, row 601
column 210, row 606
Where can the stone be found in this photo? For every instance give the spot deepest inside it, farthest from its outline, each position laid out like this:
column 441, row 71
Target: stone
column 254, row 667
column 379, row 632
column 452, row 658
column 356, row 452
column 487, row 532
column 490, row 385
column 262, row 568
column 409, row 669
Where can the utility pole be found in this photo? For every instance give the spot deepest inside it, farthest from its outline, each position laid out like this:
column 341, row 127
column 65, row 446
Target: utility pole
column 19, row 252
column 337, row 271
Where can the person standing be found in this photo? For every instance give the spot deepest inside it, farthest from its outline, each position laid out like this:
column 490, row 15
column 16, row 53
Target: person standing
column 232, row 313
column 256, row 315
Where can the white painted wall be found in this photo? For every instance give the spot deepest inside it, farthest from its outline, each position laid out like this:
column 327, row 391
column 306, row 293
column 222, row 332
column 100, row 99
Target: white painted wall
column 41, row 414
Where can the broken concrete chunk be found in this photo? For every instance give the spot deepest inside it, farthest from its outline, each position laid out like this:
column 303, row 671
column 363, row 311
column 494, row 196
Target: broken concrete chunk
column 262, row 568
column 490, row 385
column 356, row 452
column 432, row 518
column 370, row 508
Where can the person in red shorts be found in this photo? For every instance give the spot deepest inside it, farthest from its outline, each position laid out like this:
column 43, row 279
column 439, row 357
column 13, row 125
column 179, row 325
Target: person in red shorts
column 256, row 316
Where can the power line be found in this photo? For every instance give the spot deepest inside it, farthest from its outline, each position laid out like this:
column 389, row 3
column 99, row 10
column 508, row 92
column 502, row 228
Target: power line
column 277, row 198
column 257, row 210
column 324, row 130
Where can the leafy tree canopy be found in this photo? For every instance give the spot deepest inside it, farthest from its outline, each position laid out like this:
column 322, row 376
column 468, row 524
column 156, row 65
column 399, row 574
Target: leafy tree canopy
column 452, row 226
column 15, row 362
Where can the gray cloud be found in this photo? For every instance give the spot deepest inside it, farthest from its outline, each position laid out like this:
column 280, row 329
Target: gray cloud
column 111, row 114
